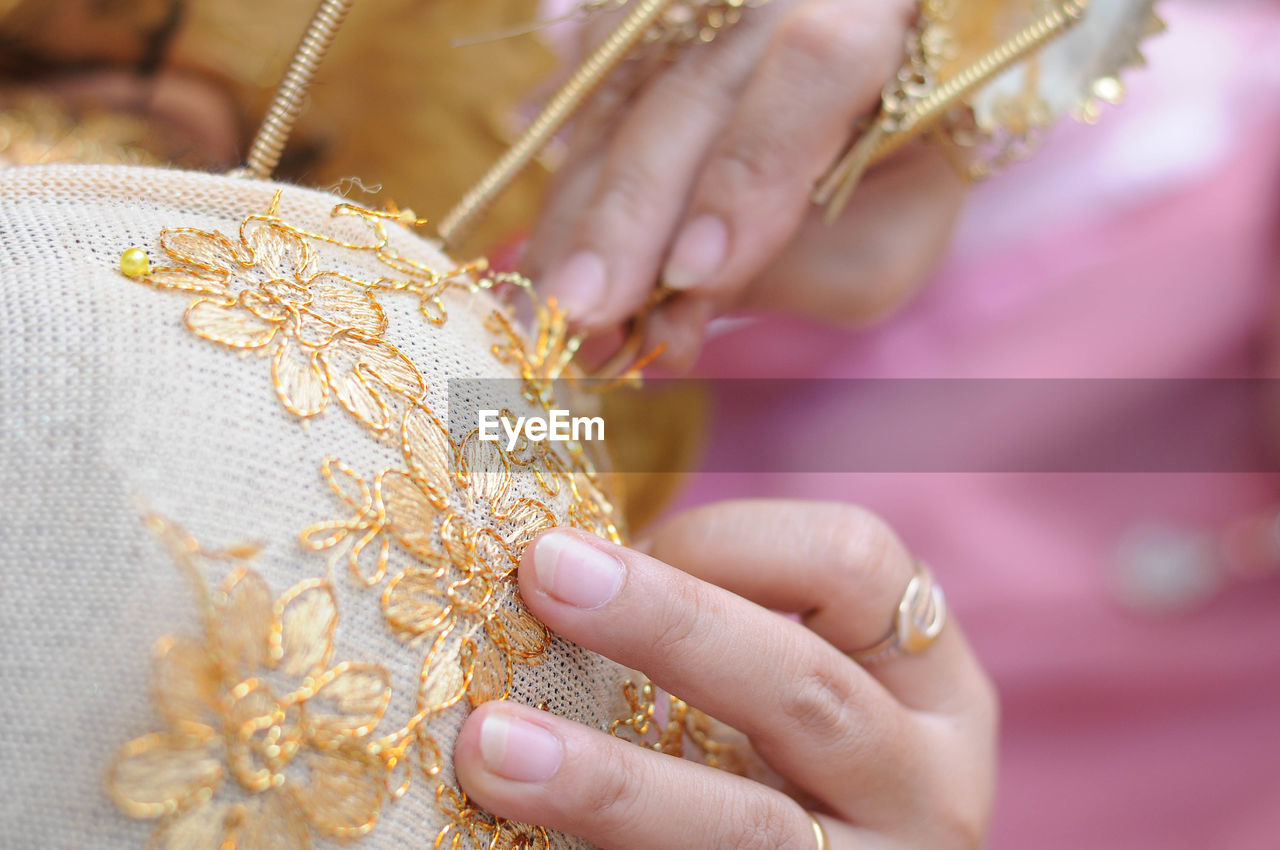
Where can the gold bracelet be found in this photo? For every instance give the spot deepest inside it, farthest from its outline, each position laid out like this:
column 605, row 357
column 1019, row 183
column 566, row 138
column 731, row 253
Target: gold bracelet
column 985, row 79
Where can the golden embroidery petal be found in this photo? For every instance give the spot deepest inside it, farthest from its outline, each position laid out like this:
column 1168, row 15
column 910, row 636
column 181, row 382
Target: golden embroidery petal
column 299, row 378
column 433, row 309
column 411, row 516
column 227, row 323
column 368, row 564
column 185, row 681
column 343, row 792
column 399, row 768
column 349, row 701
column 187, row 280
column 491, row 553
column 518, row 632
column 273, row 821
column 429, row 452
column 415, row 603
column 202, row 828
column 210, row 251
column 267, row 304
column 279, row 254
column 324, row 535
column 471, row 595
column 344, row 306
column 388, row 365
column 243, row 634
column 485, row 468
column 443, row 682
column 430, row 756
column 308, row 617
column 491, row 670
column 158, row 775
column 346, row 483
column 529, row 518
column 357, row 392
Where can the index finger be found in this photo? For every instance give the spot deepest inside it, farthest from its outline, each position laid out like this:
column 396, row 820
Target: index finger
column 809, row 711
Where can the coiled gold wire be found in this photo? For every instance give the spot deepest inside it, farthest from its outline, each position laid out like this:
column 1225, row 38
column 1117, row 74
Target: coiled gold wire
column 552, row 117
column 268, row 145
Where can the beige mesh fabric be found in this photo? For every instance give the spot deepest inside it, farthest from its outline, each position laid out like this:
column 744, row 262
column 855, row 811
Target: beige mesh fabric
column 119, row 400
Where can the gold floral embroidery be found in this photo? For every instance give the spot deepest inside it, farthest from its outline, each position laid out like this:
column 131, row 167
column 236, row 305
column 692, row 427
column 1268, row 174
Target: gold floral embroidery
column 468, row 492
column 451, row 507
column 322, row 330
column 265, row 739
column 456, row 512
column 464, row 821
column 548, row 356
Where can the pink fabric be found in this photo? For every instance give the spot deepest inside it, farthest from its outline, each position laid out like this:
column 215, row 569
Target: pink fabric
column 1145, row 247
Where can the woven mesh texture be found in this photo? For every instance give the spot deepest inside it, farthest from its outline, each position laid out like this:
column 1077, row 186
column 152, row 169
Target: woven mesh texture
column 110, row 407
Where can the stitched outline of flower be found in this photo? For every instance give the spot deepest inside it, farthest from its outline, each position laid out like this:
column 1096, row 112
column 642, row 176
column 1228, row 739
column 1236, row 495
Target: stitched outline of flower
column 465, row 495
column 323, row 329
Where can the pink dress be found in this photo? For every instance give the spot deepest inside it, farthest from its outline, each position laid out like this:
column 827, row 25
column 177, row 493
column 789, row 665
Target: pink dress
column 1144, row 247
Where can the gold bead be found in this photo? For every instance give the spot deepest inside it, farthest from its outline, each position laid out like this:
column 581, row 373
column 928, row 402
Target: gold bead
column 135, row 263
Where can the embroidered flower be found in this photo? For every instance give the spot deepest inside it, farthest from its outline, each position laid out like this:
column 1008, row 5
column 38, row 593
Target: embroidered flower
column 455, row 510
column 265, row 742
column 464, row 492
column 266, row 292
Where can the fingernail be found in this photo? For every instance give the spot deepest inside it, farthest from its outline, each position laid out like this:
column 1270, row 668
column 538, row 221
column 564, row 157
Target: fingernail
column 574, row 572
column 578, row 283
column 699, row 250
column 515, row 749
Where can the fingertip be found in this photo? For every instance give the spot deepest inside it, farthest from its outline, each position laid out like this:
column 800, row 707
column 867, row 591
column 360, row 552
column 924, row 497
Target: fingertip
column 572, row 569
column 698, row 253
column 509, row 742
column 679, row 327
column 579, row 285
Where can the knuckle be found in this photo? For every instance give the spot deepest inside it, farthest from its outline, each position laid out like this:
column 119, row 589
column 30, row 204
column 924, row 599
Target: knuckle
column 962, row 825
column 761, row 825
column 886, row 284
column 611, row 797
column 833, row 35
column 821, row 704
column 681, row 623
column 697, row 88
column 756, row 158
column 867, row 553
column 626, row 194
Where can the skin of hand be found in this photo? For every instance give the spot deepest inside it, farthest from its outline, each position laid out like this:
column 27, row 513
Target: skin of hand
column 697, row 174
column 899, row 755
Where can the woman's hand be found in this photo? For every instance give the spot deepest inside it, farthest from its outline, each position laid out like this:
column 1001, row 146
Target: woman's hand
column 701, row 180
column 900, row 755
